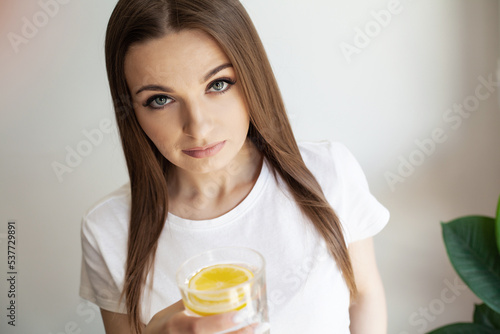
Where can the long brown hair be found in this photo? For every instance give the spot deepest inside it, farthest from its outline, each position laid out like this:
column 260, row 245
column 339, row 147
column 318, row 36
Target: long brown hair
column 135, row 21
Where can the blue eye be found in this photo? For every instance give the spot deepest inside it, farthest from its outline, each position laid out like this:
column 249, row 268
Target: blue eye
column 158, row 101
column 221, row 85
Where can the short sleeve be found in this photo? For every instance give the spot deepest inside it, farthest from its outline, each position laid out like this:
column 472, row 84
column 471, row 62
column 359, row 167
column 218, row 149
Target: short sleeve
column 360, row 213
column 97, row 283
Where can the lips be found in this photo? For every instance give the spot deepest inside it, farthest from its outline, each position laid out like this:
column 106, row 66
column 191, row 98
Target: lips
column 205, row 151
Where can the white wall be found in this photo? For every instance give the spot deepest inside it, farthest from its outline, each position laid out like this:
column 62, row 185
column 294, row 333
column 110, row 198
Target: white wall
column 394, row 92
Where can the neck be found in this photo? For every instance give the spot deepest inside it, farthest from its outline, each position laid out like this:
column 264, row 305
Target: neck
column 211, row 189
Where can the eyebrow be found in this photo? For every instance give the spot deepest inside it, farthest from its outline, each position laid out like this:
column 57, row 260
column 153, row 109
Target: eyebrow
column 216, row 70
column 166, row 89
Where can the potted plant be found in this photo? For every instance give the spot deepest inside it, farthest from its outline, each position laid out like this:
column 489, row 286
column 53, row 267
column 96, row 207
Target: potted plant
column 473, row 246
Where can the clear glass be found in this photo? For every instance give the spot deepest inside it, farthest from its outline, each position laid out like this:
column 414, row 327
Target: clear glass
column 249, row 297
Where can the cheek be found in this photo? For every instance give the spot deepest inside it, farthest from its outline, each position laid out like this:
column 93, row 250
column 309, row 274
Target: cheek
column 238, row 115
column 158, row 131
column 146, row 125
column 245, row 120
column 237, row 123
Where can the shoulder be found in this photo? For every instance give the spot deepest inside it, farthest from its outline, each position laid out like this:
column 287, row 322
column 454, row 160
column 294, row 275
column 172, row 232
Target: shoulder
column 345, row 187
column 104, row 235
column 331, row 160
column 326, row 151
column 116, row 200
column 320, row 146
column 109, row 216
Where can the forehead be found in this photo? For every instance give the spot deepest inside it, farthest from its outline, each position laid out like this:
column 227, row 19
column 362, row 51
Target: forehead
column 180, row 54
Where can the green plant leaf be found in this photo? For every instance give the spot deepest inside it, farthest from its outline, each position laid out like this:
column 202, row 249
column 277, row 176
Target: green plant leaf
column 471, row 246
column 483, row 315
column 497, row 227
column 464, row 328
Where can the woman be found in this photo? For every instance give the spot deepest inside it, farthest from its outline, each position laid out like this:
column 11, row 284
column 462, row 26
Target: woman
column 213, row 162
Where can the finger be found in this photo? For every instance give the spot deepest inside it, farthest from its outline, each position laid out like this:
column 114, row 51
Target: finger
column 215, row 323
column 242, row 320
column 183, row 323
column 244, row 330
column 255, row 328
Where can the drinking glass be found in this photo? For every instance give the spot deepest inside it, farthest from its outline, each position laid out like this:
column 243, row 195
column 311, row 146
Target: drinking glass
column 203, row 281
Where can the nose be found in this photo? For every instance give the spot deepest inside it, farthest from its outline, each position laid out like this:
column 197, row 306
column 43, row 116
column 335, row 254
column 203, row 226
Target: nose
column 197, row 120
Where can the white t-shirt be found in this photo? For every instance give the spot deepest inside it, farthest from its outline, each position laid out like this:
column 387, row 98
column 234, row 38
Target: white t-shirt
column 306, row 290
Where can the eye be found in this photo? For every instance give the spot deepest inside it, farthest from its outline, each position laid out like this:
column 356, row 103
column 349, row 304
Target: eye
column 158, row 101
column 221, row 85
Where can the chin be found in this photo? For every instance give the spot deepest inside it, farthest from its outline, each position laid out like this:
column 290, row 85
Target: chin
column 207, row 165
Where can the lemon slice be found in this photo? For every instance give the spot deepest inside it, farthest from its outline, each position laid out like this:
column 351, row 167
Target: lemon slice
column 216, row 289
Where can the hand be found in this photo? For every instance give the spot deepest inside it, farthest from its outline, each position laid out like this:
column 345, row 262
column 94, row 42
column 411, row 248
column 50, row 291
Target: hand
column 173, row 320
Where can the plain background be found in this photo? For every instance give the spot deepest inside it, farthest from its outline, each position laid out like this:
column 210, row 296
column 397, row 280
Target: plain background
column 380, row 102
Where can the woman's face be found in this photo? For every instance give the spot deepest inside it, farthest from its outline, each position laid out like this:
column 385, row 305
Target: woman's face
column 187, row 99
